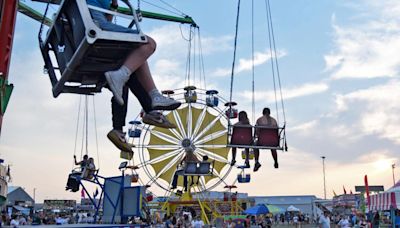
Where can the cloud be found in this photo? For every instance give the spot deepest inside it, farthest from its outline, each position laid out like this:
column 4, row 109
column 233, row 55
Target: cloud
column 288, row 93
column 367, row 49
column 246, row 64
column 378, row 109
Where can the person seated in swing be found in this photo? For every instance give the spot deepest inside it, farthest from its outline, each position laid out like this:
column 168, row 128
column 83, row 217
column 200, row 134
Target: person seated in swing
column 90, row 169
column 243, row 121
column 266, row 121
column 82, row 163
column 180, row 170
column 134, row 67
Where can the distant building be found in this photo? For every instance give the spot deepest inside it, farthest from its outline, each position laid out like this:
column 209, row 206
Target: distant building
column 18, row 200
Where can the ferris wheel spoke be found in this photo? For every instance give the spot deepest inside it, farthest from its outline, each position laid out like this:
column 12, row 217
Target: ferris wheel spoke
column 159, row 147
column 179, row 123
column 176, row 133
column 167, row 167
column 212, row 146
column 210, row 137
column 208, row 127
column 189, row 121
column 164, row 136
column 211, row 155
column 199, row 121
column 162, row 157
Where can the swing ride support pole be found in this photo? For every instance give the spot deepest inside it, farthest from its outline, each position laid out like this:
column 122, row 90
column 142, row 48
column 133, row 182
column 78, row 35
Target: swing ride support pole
column 28, row 11
column 203, row 211
column 8, row 12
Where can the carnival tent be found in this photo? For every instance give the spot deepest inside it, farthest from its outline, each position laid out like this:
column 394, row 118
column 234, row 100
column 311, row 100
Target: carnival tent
column 259, row 209
column 292, row 208
column 386, row 200
column 275, row 209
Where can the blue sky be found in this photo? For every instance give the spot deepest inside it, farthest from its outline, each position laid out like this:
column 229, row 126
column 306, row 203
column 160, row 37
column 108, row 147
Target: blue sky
column 340, row 81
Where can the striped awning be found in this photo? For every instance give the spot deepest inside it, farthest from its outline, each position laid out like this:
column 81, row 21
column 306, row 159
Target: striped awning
column 384, row 201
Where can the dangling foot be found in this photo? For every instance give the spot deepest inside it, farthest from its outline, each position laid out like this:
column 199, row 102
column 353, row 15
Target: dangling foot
column 246, row 164
column 159, row 102
column 233, row 162
column 118, row 139
column 116, row 81
column 157, row 119
column 276, row 165
column 256, row 166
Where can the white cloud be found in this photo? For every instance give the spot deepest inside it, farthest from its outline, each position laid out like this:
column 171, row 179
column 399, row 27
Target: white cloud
column 246, row 64
column 378, row 107
column 288, row 93
column 367, row 49
column 306, row 127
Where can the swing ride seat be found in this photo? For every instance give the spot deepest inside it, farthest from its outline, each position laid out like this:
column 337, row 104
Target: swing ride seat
column 242, row 135
column 212, row 100
column 243, row 179
column 82, row 50
column 198, row 169
column 265, row 138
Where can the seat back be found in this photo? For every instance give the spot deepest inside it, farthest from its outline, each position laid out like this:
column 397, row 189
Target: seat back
column 242, row 135
column 204, row 168
column 268, row 137
column 190, row 168
column 73, row 182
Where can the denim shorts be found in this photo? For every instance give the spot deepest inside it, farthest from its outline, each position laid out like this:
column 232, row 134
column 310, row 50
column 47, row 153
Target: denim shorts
column 100, row 19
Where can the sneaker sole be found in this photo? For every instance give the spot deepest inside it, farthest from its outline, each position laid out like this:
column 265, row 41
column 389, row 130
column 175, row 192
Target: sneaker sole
column 158, row 124
column 168, row 108
column 119, row 99
column 120, row 145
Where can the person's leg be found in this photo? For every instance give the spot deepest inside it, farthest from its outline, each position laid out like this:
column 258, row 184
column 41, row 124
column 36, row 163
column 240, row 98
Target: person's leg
column 150, row 117
column 117, row 78
column 185, row 183
column 257, row 164
column 275, row 157
column 174, row 180
column 247, row 158
column 116, row 135
column 233, row 155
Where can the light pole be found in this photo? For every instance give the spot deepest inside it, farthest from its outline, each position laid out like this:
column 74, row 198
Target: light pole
column 394, row 180
column 323, row 170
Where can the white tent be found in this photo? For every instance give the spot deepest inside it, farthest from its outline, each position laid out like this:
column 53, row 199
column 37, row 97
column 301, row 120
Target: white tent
column 292, row 208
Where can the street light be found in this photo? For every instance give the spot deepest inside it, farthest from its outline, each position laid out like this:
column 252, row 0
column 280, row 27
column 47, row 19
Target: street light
column 394, row 180
column 323, row 170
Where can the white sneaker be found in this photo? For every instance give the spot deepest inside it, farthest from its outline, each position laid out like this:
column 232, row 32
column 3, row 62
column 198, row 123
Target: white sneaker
column 165, row 103
column 116, row 81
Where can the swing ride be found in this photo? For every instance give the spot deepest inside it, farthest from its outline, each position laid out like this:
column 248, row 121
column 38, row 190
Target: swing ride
column 185, row 162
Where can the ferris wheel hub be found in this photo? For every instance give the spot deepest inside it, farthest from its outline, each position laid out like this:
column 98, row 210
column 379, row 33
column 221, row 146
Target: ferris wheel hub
column 188, row 145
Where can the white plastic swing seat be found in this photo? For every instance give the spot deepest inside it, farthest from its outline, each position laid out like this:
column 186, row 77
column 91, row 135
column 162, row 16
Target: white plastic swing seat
column 83, row 51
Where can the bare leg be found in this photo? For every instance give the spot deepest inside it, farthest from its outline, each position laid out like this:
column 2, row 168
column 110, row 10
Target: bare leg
column 139, row 56
column 275, row 157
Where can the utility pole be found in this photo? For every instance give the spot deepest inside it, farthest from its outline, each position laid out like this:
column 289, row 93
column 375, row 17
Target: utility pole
column 323, row 170
column 393, row 167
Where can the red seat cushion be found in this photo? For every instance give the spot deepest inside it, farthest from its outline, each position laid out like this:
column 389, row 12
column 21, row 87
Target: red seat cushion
column 242, row 135
column 268, row 137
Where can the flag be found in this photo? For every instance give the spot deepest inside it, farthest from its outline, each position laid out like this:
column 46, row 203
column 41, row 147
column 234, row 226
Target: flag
column 334, row 193
column 96, row 193
column 367, row 188
column 344, row 190
column 83, row 193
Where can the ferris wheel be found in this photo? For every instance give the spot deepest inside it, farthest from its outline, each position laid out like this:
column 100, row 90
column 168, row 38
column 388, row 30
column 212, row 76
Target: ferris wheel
column 201, row 130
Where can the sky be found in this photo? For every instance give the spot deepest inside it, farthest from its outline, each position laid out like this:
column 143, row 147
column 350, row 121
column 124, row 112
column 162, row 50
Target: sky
column 339, row 69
